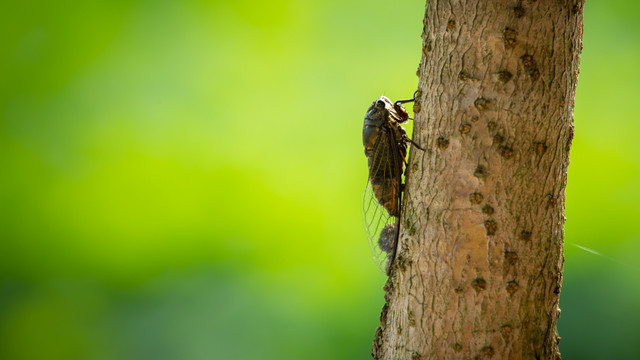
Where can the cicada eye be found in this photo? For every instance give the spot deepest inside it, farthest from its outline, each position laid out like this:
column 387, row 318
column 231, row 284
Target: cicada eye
column 380, row 104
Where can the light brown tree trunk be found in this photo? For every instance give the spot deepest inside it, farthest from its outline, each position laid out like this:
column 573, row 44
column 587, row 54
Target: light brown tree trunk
column 479, row 266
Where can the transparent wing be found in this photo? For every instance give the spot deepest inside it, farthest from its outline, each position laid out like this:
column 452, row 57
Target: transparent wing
column 380, row 227
column 382, row 195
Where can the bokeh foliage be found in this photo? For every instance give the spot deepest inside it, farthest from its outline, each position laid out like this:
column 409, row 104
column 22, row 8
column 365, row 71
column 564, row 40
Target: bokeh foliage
column 182, row 179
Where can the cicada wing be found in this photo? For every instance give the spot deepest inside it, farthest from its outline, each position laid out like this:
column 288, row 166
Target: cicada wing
column 381, row 199
column 380, row 226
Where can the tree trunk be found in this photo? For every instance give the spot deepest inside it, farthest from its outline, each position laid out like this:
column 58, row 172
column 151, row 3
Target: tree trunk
column 479, row 265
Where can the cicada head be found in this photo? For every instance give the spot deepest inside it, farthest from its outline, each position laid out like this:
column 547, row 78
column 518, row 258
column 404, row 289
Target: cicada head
column 378, row 112
column 377, row 115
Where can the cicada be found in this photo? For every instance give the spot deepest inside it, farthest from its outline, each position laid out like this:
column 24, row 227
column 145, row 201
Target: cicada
column 385, row 145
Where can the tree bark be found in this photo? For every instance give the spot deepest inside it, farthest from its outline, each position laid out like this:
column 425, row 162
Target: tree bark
column 479, row 265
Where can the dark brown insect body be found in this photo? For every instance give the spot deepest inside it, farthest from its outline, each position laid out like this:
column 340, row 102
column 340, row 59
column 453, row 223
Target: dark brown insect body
column 385, row 145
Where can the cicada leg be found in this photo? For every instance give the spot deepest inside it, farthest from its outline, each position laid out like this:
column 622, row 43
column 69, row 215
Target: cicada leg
column 406, row 139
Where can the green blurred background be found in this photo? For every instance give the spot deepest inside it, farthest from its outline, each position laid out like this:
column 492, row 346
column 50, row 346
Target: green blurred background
column 182, row 179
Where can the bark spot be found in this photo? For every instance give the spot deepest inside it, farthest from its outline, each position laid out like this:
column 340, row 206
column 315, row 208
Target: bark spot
column 510, row 257
column 479, row 284
column 541, row 148
column 402, row 261
column 551, row 200
column 504, row 76
column 428, row 46
column 498, row 139
column 459, row 289
column 491, row 125
column 464, row 76
column 530, row 66
column 487, row 351
column 506, row 152
column 576, row 8
column 457, row 347
column 569, row 140
column 410, row 226
column 518, row 11
column 480, row 171
column 475, row 198
column 442, row 143
column 464, row 128
column 512, row 287
column 525, row 235
column 388, row 288
column 487, row 209
column 415, row 166
column 416, row 107
column 411, row 317
column 451, row 24
column 491, row 226
column 506, row 330
column 481, row 103
column 535, row 74
column 509, row 36
column 416, row 356
column 474, row 119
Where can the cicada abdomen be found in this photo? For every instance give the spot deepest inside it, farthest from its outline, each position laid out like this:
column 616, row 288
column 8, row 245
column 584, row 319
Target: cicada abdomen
column 385, row 143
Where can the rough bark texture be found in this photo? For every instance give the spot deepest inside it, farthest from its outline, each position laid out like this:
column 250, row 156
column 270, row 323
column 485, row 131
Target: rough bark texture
column 479, row 267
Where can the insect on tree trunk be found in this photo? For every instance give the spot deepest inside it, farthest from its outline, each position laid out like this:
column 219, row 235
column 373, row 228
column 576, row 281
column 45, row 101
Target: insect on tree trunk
column 479, row 265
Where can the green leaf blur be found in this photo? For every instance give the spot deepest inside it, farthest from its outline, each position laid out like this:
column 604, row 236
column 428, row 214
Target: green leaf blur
column 182, row 179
